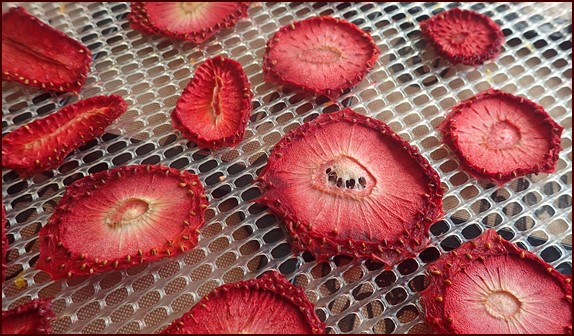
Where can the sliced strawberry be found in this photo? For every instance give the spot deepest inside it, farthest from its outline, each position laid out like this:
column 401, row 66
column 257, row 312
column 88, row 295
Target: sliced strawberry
column 500, row 136
column 347, row 184
column 122, row 217
column 321, row 55
column 43, row 144
column 491, row 286
column 268, row 305
column 215, row 106
column 193, row 21
column 464, row 36
column 34, row 317
column 35, row 54
column 4, row 242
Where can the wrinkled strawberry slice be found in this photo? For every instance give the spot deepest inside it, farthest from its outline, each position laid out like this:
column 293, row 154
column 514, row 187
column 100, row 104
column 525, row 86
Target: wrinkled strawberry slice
column 31, row 318
column 268, row 305
column 43, row 144
column 215, row 106
column 4, row 242
column 464, row 36
column 321, row 55
column 491, row 286
column 193, row 21
column 122, row 217
column 347, row 184
column 35, row 54
column 500, row 136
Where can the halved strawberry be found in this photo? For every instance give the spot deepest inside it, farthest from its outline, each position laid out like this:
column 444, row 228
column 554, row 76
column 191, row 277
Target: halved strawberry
column 35, row 54
column 193, row 21
column 347, row 184
column 122, row 217
column 268, row 305
column 34, row 317
column 4, row 241
column 500, row 136
column 215, row 105
column 43, row 144
column 491, row 286
column 321, row 55
column 464, row 36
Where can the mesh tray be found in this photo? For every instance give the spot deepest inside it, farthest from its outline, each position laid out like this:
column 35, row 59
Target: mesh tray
column 409, row 88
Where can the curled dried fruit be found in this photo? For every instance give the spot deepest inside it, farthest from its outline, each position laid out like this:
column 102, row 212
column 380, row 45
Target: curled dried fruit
column 268, row 305
column 122, row 217
column 500, row 136
column 215, row 106
column 464, row 36
column 35, row 54
column 347, row 184
column 34, row 317
column 492, row 286
column 193, row 21
column 321, row 55
column 4, row 242
column 43, row 144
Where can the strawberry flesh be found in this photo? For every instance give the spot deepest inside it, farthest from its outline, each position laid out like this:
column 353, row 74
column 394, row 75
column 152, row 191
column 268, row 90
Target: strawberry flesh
column 31, row 318
column 268, row 305
column 35, row 54
column 320, row 55
column 43, row 144
column 122, row 217
column 193, row 21
column 215, row 106
column 500, row 136
column 347, row 184
column 4, row 242
column 464, row 36
column 491, row 286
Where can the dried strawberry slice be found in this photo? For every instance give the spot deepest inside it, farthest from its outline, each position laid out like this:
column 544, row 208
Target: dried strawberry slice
column 34, row 317
column 500, row 136
column 347, row 184
column 43, row 144
column 464, row 36
column 122, row 217
column 193, row 21
column 492, row 286
column 215, row 106
column 268, row 305
column 4, row 242
column 321, row 55
column 35, row 54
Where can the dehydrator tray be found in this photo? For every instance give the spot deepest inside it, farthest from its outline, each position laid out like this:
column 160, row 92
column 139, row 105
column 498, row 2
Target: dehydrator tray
column 409, row 88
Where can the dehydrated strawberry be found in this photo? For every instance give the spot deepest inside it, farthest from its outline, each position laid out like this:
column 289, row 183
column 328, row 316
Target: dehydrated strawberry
column 500, row 136
column 4, row 242
column 464, row 36
column 347, row 184
column 122, row 217
column 215, row 106
column 43, row 144
column 268, row 305
column 35, row 54
column 193, row 21
column 321, row 55
column 492, row 286
column 34, row 317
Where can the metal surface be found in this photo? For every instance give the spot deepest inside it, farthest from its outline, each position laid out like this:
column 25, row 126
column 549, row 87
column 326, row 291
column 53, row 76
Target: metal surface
column 409, row 88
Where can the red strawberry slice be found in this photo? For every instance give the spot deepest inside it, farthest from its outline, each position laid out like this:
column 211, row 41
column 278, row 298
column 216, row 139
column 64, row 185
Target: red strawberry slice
column 193, row 21
column 347, row 184
column 268, row 305
column 491, row 286
column 464, row 36
column 34, row 317
column 215, row 106
column 4, row 242
column 35, row 54
column 500, row 136
column 321, row 55
column 122, row 217
column 43, row 144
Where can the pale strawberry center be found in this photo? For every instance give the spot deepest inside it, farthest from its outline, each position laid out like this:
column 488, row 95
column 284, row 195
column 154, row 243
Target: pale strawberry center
column 321, row 55
column 191, row 7
column 344, row 175
column 503, row 135
column 127, row 212
column 216, row 100
column 502, row 305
